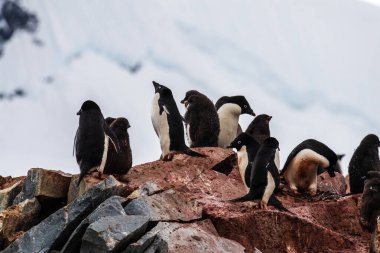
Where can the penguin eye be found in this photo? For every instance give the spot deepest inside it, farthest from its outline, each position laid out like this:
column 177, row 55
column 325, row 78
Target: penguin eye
column 159, row 87
column 245, row 106
column 239, row 142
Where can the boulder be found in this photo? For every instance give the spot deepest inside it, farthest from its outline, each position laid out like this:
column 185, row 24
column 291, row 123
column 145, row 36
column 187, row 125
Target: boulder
column 109, row 208
column 18, row 218
column 166, row 206
column 7, row 195
column 335, row 185
column 113, row 234
column 44, row 184
column 53, row 232
column 171, row 237
column 88, row 182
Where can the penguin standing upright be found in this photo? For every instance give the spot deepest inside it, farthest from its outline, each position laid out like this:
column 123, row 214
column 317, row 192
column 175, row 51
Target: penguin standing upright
column 370, row 205
column 167, row 122
column 201, row 121
column 119, row 162
column 247, row 148
column 301, row 168
column 364, row 159
column 229, row 109
column 265, row 177
column 92, row 140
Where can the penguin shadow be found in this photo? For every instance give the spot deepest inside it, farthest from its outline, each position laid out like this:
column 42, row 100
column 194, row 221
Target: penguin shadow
column 307, row 196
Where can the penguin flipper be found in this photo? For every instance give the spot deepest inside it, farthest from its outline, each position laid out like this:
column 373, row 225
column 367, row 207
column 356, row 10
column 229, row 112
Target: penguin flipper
column 112, row 137
column 273, row 201
column 163, row 108
column 190, row 152
column 75, row 141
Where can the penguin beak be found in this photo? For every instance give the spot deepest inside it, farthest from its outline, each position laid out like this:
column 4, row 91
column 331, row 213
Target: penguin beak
column 155, row 84
column 269, row 118
column 279, row 149
column 183, row 101
column 229, row 146
column 79, row 112
column 251, row 112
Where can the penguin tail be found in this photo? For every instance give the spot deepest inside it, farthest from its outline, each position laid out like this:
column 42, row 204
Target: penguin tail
column 193, row 153
column 273, row 201
column 247, row 197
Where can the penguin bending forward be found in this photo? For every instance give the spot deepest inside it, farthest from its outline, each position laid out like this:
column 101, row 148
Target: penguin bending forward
column 265, row 177
column 364, row 159
column 167, row 122
column 201, row 121
column 247, row 148
column 370, row 207
column 229, row 109
column 93, row 140
column 301, row 168
column 119, row 162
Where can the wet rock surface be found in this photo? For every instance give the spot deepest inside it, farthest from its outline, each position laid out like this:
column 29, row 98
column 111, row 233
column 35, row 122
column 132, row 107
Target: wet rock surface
column 182, row 206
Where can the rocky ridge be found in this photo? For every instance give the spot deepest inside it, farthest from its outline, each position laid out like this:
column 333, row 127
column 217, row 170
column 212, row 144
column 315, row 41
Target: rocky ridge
column 176, row 206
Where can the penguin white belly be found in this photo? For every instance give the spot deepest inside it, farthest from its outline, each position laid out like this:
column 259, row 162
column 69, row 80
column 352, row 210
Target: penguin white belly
column 243, row 163
column 269, row 189
column 301, row 173
column 277, row 159
column 161, row 125
column 229, row 121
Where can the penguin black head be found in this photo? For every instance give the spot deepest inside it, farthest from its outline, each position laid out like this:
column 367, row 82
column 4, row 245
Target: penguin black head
column 241, row 140
column 121, row 123
column 241, row 101
column 371, row 140
column 109, row 120
column 88, row 106
column 162, row 90
column 188, row 94
column 272, row 143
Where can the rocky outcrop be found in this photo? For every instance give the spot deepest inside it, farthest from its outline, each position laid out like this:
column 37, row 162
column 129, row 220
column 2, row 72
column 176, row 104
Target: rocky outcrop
column 182, row 206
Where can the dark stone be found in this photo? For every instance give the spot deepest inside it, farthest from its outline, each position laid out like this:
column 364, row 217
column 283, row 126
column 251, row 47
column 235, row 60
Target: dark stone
column 53, row 232
column 110, row 207
column 113, row 234
column 7, row 195
column 166, row 206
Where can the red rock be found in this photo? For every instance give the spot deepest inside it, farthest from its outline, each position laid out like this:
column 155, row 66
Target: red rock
column 335, row 184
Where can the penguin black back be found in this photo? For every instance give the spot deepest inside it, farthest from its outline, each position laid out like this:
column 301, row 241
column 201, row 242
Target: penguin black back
column 364, row 159
column 370, row 207
column 202, row 122
column 241, row 101
column 259, row 127
column 119, row 162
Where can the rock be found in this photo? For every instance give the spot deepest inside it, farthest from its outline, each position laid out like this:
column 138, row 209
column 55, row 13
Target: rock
column 347, row 179
column 73, row 191
column 109, row 208
column 166, row 206
column 8, row 194
column 147, row 189
column 178, row 237
column 44, row 183
column 375, row 240
column 88, row 182
column 53, row 232
column 17, row 218
column 113, row 234
column 336, row 185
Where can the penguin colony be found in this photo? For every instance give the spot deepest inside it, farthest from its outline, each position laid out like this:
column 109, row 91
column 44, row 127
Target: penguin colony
column 102, row 146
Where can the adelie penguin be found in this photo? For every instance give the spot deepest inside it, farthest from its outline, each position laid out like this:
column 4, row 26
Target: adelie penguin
column 259, row 129
column 119, row 162
column 247, row 148
column 370, row 207
column 167, row 122
column 92, row 140
column 265, row 177
column 301, row 168
column 201, row 120
column 364, row 159
column 229, row 109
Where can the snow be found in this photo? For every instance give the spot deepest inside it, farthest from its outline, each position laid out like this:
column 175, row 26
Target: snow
column 312, row 65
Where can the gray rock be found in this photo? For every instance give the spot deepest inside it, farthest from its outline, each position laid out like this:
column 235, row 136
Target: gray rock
column 165, row 206
column 147, row 189
column 7, row 195
column 182, row 237
column 53, row 232
column 109, row 208
column 44, row 183
column 113, row 234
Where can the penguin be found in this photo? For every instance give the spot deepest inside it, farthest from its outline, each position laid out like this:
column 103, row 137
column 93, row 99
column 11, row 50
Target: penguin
column 247, row 148
column 301, row 167
column 229, row 110
column 92, row 140
column 365, row 158
column 265, row 177
column 370, row 205
column 202, row 122
column 259, row 129
column 188, row 94
column 119, row 162
column 167, row 123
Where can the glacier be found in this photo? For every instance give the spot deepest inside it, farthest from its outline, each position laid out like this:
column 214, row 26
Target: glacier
column 312, row 65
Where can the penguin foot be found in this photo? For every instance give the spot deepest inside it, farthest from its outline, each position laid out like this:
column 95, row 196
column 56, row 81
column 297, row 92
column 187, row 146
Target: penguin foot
column 263, row 205
column 169, row 156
